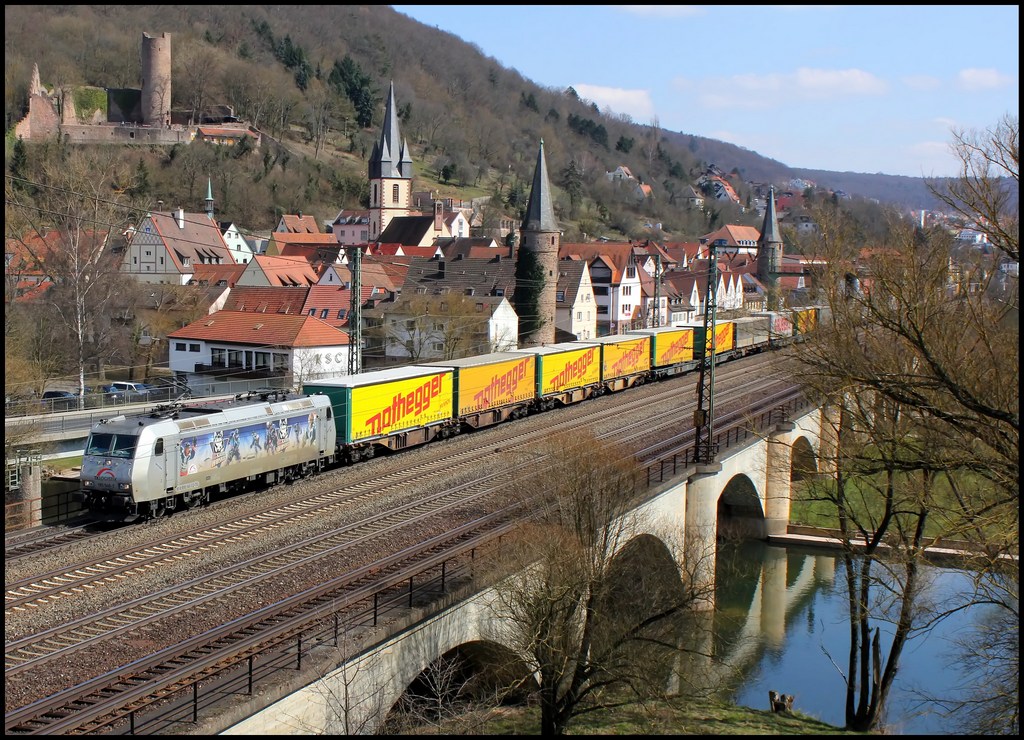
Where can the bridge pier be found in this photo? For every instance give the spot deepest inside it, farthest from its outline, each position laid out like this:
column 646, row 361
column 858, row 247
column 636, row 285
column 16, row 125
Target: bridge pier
column 778, row 483
column 701, row 532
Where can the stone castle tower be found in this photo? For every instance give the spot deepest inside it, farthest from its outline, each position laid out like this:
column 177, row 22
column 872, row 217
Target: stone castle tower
column 390, row 172
column 541, row 238
column 156, row 80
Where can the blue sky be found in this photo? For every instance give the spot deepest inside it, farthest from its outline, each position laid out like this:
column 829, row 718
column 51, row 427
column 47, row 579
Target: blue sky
column 830, row 87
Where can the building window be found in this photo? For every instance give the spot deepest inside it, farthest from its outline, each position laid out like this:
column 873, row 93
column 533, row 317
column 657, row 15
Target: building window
column 312, row 312
column 579, row 316
column 560, row 295
column 218, row 357
column 631, row 272
column 627, row 290
column 323, row 313
column 394, row 193
column 626, row 308
column 373, row 200
column 179, row 346
column 341, row 313
column 437, row 346
column 193, row 347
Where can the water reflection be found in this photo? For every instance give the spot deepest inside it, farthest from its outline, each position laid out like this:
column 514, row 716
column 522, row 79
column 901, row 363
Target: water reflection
column 781, row 624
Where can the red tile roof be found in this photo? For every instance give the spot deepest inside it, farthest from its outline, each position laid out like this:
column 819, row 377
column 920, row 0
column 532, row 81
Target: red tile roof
column 299, row 224
column 213, row 274
column 259, row 299
column 286, row 271
column 617, row 255
column 263, row 330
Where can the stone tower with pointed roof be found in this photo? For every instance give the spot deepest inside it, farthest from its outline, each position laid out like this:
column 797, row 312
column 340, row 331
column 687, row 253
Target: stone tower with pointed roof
column 769, row 248
column 390, row 173
column 537, row 263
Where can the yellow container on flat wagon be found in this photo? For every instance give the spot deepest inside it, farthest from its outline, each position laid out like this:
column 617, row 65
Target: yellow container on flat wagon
column 382, row 402
column 565, row 366
column 623, row 355
column 805, row 320
column 670, row 345
column 491, row 381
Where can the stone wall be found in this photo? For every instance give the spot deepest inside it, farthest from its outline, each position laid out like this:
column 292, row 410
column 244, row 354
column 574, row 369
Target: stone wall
column 128, row 134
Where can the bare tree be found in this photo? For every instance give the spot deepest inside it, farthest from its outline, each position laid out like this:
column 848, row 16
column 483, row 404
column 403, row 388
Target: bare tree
column 918, row 353
column 567, row 607
column 446, row 326
column 985, row 194
column 196, row 67
column 66, row 230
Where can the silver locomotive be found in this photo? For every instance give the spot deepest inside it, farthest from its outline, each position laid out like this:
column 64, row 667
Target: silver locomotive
column 178, row 456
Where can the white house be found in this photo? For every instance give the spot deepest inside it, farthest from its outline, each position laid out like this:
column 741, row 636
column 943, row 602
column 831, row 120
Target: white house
column 247, row 345
column 238, row 246
column 490, row 325
column 575, row 307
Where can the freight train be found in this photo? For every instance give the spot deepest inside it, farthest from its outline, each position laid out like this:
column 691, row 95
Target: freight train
column 179, row 456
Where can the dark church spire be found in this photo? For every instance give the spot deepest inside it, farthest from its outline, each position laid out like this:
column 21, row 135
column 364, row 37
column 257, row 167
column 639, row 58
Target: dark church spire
column 390, row 156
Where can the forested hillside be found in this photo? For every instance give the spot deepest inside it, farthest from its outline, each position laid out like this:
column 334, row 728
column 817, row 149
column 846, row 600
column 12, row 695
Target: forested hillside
column 314, row 79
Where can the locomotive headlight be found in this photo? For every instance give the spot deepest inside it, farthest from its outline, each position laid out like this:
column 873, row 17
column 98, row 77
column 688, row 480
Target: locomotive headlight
column 125, row 486
column 87, row 484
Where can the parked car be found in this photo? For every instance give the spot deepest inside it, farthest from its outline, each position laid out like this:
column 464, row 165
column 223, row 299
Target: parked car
column 134, row 392
column 59, row 401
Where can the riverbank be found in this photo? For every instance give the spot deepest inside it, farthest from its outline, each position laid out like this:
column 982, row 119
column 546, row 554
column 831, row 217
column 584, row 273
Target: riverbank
column 950, row 553
column 679, row 716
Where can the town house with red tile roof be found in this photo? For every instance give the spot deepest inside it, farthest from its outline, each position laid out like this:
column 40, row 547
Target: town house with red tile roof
column 614, row 274
column 297, row 224
column 245, row 345
column 166, row 247
column 264, row 270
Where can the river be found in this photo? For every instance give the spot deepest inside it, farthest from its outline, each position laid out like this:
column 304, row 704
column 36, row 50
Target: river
column 803, row 652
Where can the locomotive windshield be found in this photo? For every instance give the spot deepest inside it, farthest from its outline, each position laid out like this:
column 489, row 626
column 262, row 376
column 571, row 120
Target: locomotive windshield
column 111, row 445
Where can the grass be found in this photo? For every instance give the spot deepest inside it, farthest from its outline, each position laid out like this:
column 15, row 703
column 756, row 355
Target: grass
column 811, row 504
column 679, row 716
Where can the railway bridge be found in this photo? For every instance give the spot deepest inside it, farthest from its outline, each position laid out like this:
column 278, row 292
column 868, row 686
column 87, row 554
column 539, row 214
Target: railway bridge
column 746, row 491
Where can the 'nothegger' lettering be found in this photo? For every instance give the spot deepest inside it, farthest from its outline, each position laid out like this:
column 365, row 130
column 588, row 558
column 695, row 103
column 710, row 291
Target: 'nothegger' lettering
column 501, row 385
column 574, row 370
column 405, row 404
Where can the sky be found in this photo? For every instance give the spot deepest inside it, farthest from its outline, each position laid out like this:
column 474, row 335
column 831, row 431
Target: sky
column 845, row 88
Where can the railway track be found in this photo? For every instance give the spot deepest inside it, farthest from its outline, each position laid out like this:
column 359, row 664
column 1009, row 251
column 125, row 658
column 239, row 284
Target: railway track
column 286, row 560
column 32, row 591
column 43, row 539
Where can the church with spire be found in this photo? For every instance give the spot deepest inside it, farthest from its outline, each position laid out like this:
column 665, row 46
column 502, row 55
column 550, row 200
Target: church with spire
column 390, row 173
column 392, row 218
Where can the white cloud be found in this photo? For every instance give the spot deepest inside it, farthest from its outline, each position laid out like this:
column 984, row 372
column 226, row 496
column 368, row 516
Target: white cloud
column 981, row 79
column 636, row 103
